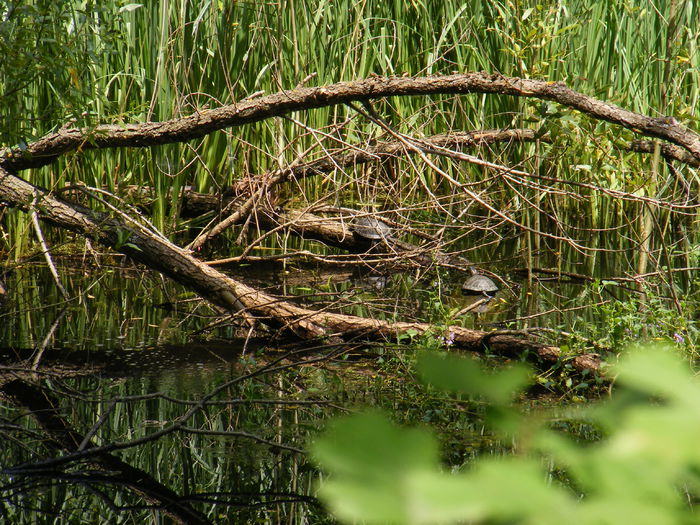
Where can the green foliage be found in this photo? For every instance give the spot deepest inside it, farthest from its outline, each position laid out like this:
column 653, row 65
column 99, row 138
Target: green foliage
column 79, row 62
column 448, row 373
column 72, row 62
column 651, row 317
column 370, row 464
column 645, row 469
column 52, row 51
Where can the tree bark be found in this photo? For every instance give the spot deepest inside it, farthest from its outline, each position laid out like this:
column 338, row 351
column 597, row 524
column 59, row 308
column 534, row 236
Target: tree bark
column 52, row 146
column 161, row 255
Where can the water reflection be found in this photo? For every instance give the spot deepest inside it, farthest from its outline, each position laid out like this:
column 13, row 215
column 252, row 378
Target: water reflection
column 212, row 422
column 129, row 428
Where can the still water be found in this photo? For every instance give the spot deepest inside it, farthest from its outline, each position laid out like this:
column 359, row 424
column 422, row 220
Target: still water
column 107, row 369
column 116, row 411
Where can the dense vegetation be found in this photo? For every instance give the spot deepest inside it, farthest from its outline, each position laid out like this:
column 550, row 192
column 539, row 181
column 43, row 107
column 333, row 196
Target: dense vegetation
column 581, row 201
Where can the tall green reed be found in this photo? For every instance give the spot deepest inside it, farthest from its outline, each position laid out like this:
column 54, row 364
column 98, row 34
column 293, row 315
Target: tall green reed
column 161, row 60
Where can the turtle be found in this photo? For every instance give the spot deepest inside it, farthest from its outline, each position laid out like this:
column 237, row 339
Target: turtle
column 478, row 284
column 370, row 230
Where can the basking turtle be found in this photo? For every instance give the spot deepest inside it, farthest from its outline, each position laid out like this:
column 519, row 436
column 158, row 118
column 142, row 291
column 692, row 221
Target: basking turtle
column 478, row 284
column 370, row 230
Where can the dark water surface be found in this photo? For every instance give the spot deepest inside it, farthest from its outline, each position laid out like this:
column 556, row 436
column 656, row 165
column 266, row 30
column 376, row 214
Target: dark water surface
column 110, row 369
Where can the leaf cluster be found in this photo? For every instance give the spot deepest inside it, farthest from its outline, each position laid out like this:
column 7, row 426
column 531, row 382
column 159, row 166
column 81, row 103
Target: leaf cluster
column 645, row 469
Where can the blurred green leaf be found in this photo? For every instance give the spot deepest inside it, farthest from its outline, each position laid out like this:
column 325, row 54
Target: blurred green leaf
column 379, row 473
column 459, row 374
column 372, row 464
column 369, row 444
column 659, row 371
column 382, row 474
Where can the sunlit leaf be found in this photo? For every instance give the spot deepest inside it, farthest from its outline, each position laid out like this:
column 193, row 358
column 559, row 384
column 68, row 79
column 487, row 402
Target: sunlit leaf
column 129, row 7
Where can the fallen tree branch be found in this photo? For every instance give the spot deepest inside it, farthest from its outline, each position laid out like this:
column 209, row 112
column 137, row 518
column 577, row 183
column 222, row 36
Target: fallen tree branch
column 47, row 149
column 391, row 149
column 335, row 231
column 668, row 151
column 159, row 254
column 255, row 186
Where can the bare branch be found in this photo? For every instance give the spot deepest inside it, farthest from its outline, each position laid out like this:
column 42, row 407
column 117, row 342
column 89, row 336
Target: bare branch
column 49, row 148
column 234, row 296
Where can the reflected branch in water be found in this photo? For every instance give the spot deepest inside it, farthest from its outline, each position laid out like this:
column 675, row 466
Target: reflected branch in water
column 89, row 463
column 61, row 436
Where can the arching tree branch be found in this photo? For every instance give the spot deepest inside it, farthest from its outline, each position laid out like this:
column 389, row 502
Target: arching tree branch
column 49, row 148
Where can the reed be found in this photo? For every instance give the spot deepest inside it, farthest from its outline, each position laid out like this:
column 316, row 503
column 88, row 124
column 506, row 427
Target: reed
column 157, row 60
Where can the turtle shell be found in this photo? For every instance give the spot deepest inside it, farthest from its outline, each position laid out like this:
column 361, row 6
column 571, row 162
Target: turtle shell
column 370, row 229
column 479, row 284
